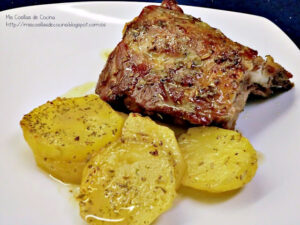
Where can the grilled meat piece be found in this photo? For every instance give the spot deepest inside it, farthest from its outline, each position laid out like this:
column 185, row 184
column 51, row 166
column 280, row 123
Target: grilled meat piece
column 176, row 66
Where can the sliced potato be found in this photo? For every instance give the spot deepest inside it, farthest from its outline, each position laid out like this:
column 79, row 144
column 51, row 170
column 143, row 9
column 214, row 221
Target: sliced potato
column 127, row 182
column 124, row 115
column 68, row 171
column 159, row 139
column 65, row 132
column 217, row 160
column 178, row 130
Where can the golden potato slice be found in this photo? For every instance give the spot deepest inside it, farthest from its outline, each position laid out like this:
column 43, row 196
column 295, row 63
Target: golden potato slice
column 126, row 184
column 65, row 132
column 217, row 160
column 160, row 139
column 124, row 115
column 178, row 130
column 69, row 171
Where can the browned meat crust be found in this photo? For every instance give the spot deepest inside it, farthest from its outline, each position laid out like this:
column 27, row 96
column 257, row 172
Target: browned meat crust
column 174, row 65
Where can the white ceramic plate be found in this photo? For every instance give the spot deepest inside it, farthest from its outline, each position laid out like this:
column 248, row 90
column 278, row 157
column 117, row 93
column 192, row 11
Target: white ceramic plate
column 40, row 63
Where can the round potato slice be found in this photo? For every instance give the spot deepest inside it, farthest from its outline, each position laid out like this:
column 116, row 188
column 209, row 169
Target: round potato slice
column 124, row 184
column 67, row 171
column 177, row 129
column 64, row 133
column 217, row 160
column 160, row 139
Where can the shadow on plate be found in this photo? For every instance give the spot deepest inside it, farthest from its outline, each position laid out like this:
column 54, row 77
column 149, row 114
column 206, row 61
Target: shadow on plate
column 260, row 113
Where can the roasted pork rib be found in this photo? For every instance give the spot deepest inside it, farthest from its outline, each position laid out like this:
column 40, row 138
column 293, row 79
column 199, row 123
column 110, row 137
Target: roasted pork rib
column 175, row 66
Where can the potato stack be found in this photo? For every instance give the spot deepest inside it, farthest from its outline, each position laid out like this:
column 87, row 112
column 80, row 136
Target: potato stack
column 128, row 166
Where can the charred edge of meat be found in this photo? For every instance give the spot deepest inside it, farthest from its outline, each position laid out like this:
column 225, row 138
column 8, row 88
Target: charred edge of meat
column 126, row 105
